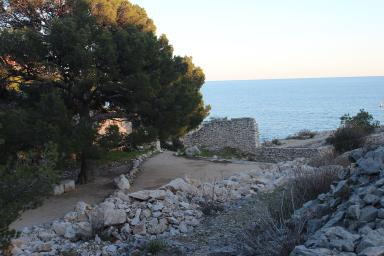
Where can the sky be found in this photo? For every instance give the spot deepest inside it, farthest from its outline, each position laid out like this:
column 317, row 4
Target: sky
column 271, row 39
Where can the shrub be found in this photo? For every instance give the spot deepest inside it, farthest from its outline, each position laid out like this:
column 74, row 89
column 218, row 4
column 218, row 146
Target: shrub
column 23, row 185
column 353, row 130
column 276, row 142
column 303, row 135
column 362, row 120
column 346, row 139
column 112, row 138
column 156, row 246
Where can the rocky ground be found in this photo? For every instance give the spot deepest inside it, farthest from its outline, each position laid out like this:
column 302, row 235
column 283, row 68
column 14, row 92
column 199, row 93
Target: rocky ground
column 125, row 221
column 349, row 220
column 210, row 218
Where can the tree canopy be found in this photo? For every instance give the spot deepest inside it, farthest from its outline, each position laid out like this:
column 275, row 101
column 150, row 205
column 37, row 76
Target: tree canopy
column 67, row 65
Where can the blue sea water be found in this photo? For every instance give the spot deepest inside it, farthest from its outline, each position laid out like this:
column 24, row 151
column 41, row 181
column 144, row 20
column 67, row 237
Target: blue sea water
column 284, row 107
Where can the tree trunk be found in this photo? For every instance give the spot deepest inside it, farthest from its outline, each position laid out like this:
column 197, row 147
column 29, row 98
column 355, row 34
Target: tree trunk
column 83, row 175
column 85, row 119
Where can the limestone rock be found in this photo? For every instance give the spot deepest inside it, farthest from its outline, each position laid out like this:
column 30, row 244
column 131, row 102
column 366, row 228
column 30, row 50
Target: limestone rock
column 353, row 212
column 192, row 151
column 303, row 251
column 368, row 213
column 157, row 194
column 356, row 154
column 180, row 185
column 373, row 251
column 69, row 185
column 371, row 199
column 114, row 217
column 140, row 229
column 141, row 195
column 122, row 182
column 58, row 190
column 372, row 162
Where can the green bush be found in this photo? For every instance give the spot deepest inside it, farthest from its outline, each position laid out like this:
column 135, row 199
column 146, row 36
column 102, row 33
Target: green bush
column 362, row 120
column 352, row 132
column 112, row 138
column 346, row 139
column 302, row 135
column 23, row 185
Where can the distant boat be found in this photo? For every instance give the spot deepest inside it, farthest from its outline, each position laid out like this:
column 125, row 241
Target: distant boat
column 381, row 105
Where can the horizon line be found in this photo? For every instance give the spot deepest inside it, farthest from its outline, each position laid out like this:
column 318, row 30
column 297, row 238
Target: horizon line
column 295, row 78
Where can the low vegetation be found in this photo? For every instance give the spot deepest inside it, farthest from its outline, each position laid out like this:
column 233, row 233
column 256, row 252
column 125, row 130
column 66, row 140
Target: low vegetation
column 330, row 157
column 226, row 153
column 156, row 246
column 23, row 185
column 276, row 142
column 275, row 232
column 118, row 156
column 302, row 135
column 353, row 131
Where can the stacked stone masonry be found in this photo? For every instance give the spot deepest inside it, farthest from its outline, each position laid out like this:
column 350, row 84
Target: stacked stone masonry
column 238, row 133
column 275, row 154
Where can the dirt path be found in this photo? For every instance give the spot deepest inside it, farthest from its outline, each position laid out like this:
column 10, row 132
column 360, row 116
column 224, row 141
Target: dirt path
column 155, row 172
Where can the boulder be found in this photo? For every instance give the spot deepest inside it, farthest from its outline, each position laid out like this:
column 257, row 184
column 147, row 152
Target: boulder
column 58, row 190
column 141, row 195
column 372, row 163
column 368, row 213
column 356, row 155
column 42, row 247
column 157, row 194
column 192, row 151
column 371, row 199
column 180, row 185
column 122, row 182
column 63, row 229
column 373, row 251
column 136, row 219
column 303, row 251
column 140, row 229
column 373, row 238
column 83, row 230
column 114, row 217
column 69, row 185
column 353, row 212
column 126, row 229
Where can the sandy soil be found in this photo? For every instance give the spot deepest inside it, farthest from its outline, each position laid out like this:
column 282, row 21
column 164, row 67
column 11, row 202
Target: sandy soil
column 156, row 172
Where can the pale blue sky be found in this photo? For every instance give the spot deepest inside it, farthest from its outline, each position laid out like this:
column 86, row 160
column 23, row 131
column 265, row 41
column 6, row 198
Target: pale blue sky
column 255, row 39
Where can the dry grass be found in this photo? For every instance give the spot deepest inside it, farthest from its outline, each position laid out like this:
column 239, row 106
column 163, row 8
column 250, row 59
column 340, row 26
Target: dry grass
column 329, row 157
column 275, row 233
column 307, row 185
column 271, row 236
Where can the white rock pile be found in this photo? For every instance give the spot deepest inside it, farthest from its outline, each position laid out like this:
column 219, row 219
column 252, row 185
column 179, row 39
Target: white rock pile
column 124, row 221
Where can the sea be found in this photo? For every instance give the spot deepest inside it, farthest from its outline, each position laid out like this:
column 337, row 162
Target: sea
column 284, row 107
